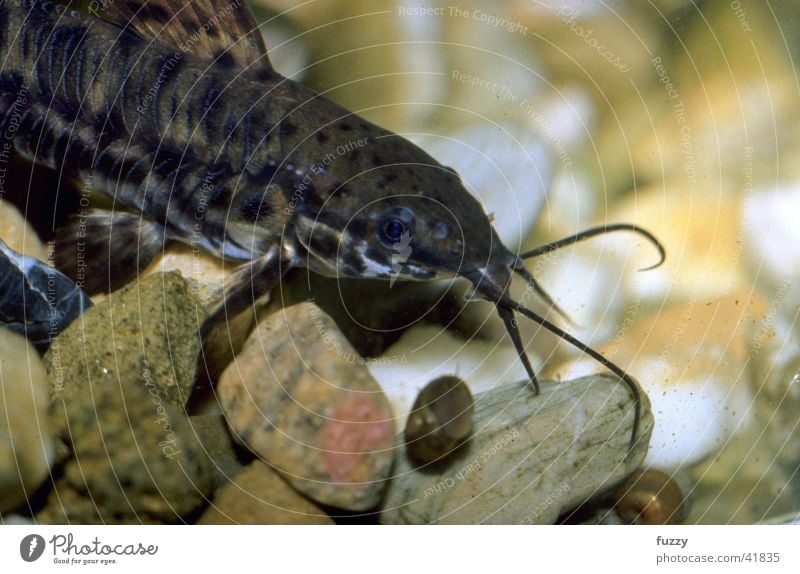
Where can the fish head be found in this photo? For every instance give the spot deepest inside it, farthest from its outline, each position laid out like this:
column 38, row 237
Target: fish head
column 398, row 214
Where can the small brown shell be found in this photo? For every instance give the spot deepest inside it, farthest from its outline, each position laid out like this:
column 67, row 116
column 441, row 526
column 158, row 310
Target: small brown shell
column 440, row 419
column 650, row 497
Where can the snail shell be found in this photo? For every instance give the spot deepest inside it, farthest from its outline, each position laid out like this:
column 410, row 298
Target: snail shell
column 440, row 419
column 650, row 497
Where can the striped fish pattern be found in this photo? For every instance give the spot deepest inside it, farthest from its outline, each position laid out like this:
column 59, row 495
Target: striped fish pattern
column 173, row 111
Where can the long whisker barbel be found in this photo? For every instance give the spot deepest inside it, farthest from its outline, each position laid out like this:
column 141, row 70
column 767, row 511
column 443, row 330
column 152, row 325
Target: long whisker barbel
column 506, row 307
column 595, row 231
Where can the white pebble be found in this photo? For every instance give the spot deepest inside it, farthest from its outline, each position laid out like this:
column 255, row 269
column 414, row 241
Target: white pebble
column 26, row 448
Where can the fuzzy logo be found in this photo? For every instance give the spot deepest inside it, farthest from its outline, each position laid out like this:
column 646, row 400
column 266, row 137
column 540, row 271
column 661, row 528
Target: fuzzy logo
column 31, row 547
column 403, row 252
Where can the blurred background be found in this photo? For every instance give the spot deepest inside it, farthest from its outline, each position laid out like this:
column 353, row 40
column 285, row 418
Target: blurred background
column 677, row 115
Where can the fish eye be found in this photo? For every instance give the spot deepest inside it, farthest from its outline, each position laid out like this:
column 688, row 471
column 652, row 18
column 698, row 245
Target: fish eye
column 393, row 229
column 396, row 223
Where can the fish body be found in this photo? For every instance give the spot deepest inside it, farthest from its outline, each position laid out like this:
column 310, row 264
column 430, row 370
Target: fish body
column 195, row 138
column 228, row 160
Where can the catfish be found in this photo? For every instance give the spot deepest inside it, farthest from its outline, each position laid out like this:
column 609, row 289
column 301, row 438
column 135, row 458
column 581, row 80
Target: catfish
column 173, row 111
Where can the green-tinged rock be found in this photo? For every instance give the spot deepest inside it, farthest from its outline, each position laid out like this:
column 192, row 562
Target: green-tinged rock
column 136, row 459
column 144, row 334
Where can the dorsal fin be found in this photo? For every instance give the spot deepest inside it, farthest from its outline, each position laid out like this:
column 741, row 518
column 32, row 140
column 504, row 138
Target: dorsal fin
column 210, row 29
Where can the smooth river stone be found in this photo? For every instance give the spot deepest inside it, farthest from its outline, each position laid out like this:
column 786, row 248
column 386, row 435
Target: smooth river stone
column 258, row 495
column 530, row 458
column 26, row 445
column 301, row 398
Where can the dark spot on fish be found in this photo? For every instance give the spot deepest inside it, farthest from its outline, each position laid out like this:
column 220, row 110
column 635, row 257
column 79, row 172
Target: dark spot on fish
column 267, row 172
column 376, row 255
column 352, row 260
column 386, row 179
column 345, row 127
column 322, row 137
column 264, row 74
column 220, row 197
column 377, row 159
column 357, row 227
column 159, row 13
column 255, row 207
column 341, row 190
column 414, row 187
column 324, row 243
column 287, row 129
column 226, row 60
column 60, row 147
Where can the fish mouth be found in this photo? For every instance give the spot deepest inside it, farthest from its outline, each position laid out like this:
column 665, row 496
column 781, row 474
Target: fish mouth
column 493, row 283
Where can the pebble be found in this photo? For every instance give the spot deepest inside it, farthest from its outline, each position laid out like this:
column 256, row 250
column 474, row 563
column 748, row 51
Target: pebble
column 301, row 398
column 26, row 444
column 18, row 233
column 440, row 420
column 36, row 300
column 144, row 334
column 223, row 456
column 258, row 495
column 530, row 458
column 691, row 360
column 135, row 458
column 205, row 276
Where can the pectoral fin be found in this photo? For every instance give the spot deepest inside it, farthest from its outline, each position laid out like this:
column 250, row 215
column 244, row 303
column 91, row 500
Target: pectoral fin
column 103, row 250
column 246, row 285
